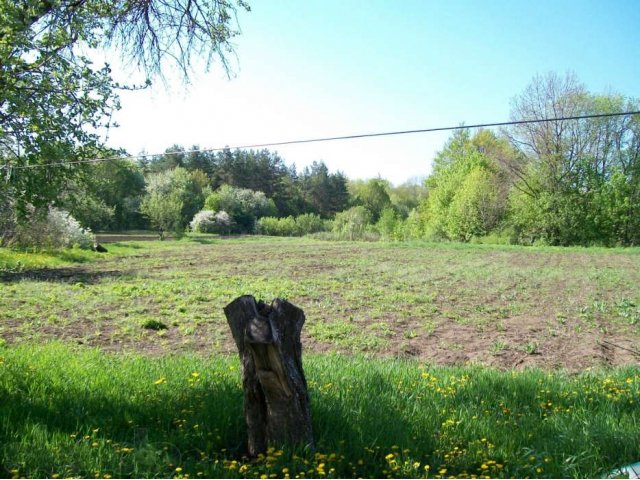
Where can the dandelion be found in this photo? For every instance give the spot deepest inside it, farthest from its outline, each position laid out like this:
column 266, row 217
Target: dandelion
column 94, row 444
column 442, row 471
column 160, row 381
column 178, row 469
column 538, row 470
column 55, row 475
column 389, row 457
column 416, row 465
column 195, row 374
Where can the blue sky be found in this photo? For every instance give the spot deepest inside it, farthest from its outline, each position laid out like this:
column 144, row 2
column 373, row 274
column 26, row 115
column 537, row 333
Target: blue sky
column 325, row 68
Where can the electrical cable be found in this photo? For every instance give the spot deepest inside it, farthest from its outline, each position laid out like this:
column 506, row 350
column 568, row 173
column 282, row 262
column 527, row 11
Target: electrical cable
column 327, row 139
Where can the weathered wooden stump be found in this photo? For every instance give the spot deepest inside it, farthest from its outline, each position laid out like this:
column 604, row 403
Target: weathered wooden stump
column 276, row 401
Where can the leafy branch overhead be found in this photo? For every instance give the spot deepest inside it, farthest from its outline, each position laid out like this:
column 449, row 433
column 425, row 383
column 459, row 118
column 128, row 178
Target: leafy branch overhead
column 54, row 101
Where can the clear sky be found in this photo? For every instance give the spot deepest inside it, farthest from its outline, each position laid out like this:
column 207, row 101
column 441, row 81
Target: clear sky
column 311, row 69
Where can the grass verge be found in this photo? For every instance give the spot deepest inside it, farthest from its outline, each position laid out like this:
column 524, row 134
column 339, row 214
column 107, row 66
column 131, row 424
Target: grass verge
column 85, row 413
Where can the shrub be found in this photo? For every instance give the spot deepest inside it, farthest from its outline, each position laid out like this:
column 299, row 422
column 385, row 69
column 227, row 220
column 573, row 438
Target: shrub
column 291, row 227
column 8, row 223
column 308, row 223
column 243, row 205
column 55, row 229
column 352, row 224
column 280, row 227
column 388, row 224
column 208, row 221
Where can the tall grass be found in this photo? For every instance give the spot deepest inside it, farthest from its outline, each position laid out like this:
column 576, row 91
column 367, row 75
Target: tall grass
column 80, row 412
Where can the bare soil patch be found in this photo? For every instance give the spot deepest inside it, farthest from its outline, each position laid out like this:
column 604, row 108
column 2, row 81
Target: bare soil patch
column 443, row 305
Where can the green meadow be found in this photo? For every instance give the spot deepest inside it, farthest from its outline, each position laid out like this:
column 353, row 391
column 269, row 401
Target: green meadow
column 422, row 360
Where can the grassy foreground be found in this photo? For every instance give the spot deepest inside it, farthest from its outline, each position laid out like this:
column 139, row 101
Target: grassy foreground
column 70, row 411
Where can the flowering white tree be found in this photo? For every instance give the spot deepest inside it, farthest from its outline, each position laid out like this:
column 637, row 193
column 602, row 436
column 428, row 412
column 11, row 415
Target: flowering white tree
column 208, row 221
column 56, row 229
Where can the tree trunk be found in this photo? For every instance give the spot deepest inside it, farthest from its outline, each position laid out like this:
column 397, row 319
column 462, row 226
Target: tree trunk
column 276, row 401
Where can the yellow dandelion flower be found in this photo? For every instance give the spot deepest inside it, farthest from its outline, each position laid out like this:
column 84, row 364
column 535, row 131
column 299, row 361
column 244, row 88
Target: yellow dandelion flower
column 263, row 476
column 178, row 469
column 55, row 475
column 160, row 381
column 442, row 471
column 285, row 470
column 389, row 457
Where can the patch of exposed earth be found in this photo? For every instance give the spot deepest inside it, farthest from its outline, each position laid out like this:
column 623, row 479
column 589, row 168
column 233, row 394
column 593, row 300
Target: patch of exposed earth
column 535, row 335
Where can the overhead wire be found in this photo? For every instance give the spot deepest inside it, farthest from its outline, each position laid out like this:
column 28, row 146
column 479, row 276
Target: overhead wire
column 324, row 139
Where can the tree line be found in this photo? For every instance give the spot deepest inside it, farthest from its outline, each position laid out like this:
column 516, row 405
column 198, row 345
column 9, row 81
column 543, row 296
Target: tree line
column 561, row 182
column 568, row 182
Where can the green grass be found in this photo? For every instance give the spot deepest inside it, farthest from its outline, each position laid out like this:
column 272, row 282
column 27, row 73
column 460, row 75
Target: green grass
column 20, row 260
column 412, row 299
column 81, row 412
column 167, row 402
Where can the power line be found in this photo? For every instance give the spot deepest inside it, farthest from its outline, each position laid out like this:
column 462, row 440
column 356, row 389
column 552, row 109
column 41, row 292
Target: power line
column 327, row 139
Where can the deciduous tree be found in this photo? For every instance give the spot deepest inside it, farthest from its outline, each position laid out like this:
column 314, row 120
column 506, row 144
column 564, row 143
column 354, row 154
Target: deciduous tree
column 54, row 100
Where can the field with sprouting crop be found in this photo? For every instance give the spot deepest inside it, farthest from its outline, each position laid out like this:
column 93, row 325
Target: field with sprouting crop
column 422, row 359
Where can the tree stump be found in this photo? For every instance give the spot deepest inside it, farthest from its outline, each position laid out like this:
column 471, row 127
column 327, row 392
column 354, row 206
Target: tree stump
column 276, row 401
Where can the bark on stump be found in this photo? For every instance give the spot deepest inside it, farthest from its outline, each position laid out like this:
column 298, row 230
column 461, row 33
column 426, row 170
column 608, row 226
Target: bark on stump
column 276, row 401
